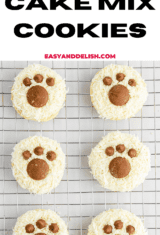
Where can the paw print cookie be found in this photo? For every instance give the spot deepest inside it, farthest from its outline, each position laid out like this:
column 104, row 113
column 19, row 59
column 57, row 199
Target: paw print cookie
column 116, row 222
column 38, row 93
column 120, row 162
column 118, row 92
column 38, row 164
column 40, row 222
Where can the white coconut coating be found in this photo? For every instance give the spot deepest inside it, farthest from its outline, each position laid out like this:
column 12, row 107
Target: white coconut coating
column 56, row 94
column 109, row 217
column 32, row 216
column 56, row 167
column 99, row 92
column 99, row 162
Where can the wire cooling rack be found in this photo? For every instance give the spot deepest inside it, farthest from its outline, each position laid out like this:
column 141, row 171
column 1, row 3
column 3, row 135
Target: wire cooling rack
column 79, row 197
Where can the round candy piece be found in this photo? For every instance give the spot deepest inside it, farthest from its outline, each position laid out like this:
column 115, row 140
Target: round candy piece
column 38, row 151
column 118, row 224
column 41, row 223
column 130, row 229
column 50, row 81
column 37, row 96
column 132, row 153
column 109, row 151
column 107, row 229
column 119, row 95
column 119, row 167
column 54, row 228
column 120, row 148
column 132, row 82
column 26, row 155
column 38, row 78
column 51, row 155
column 38, row 169
column 27, row 82
column 29, row 228
column 107, row 81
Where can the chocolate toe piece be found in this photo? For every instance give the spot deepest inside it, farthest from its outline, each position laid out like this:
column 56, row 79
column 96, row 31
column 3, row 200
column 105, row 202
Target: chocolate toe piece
column 38, row 151
column 120, row 148
column 107, row 81
column 29, row 228
column 26, row 155
column 38, row 78
column 130, row 229
column 51, row 156
column 132, row 153
column 109, row 151
column 120, row 76
column 54, row 228
column 41, row 223
column 50, row 81
column 107, row 229
column 132, row 82
column 118, row 224
column 27, row 82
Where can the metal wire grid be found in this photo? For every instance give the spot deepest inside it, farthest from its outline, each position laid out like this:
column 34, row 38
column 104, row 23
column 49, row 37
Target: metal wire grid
column 79, row 197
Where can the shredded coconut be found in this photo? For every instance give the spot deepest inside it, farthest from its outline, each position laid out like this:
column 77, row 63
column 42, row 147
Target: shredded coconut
column 31, row 217
column 56, row 167
column 99, row 93
column 56, row 93
column 110, row 216
column 99, row 162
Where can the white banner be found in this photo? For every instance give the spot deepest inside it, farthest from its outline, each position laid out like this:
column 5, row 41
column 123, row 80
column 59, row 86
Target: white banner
column 52, row 29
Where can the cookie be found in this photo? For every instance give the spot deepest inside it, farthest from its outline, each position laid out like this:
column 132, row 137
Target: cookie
column 38, row 93
column 44, row 222
column 120, row 162
column 116, row 222
column 38, row 164
column 118, row 92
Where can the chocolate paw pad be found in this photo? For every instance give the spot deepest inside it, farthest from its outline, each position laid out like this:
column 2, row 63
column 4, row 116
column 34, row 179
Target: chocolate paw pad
column 37, row 95
column 120, row 167
column 38, row 169
column 118, row 94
